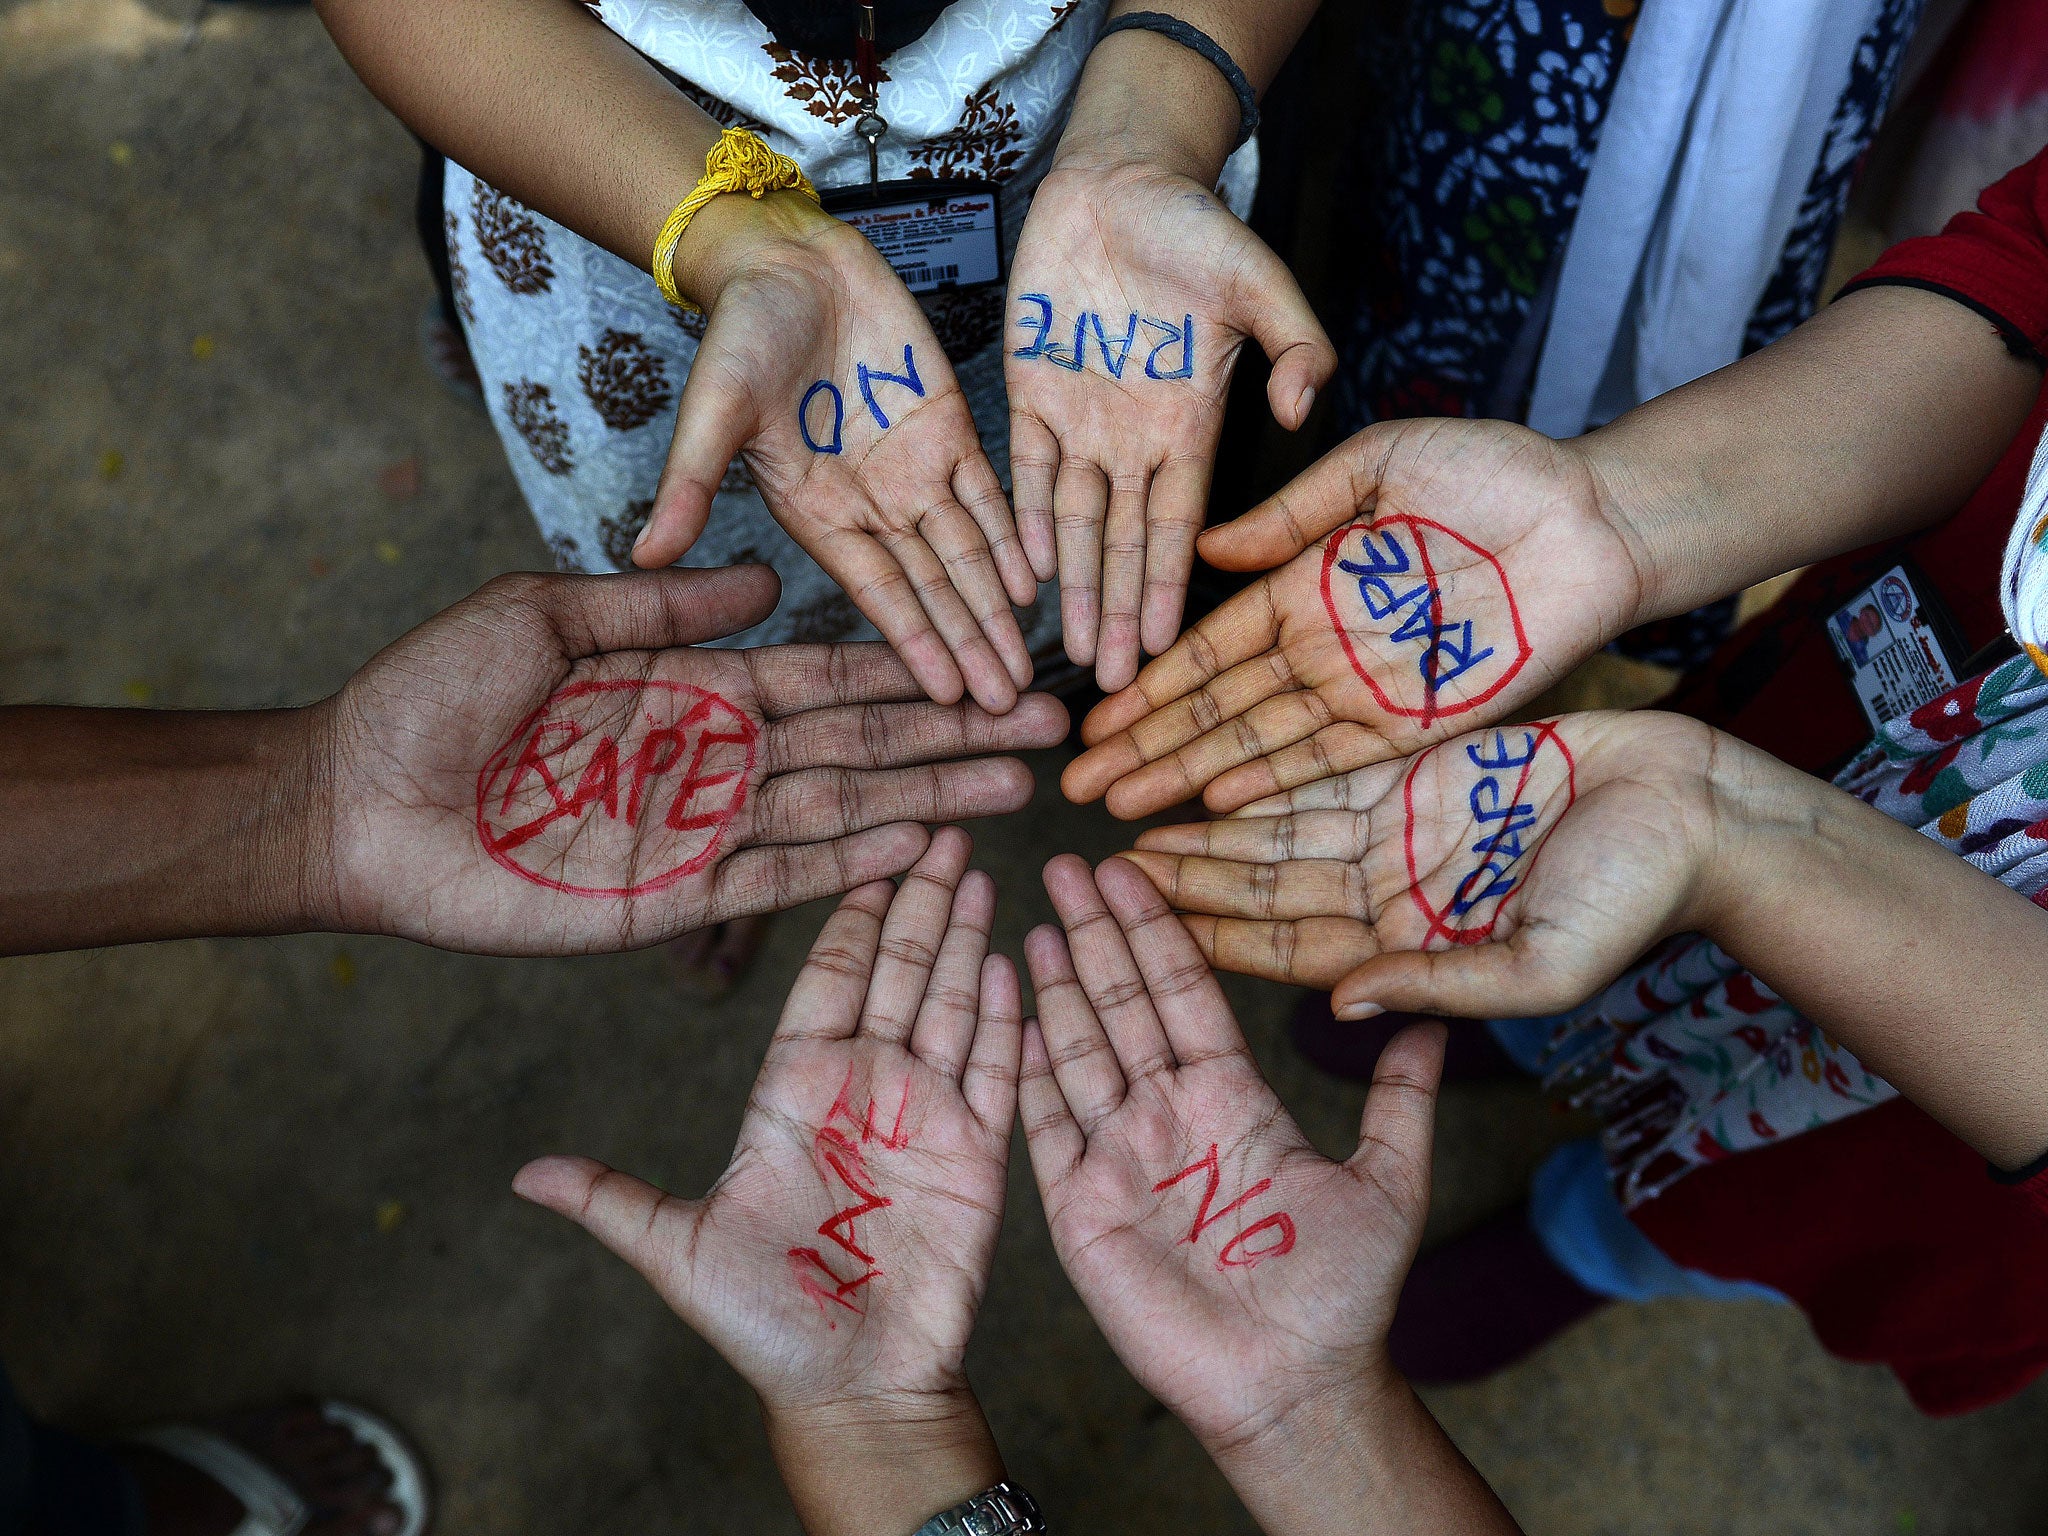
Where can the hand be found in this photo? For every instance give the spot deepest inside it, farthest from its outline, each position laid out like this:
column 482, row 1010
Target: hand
column 1476, row 563
column 1245, row 1279
column 550, row 767
column 839, row 1262
column 1416, row 885
column 820, row 366
column 1132, row 291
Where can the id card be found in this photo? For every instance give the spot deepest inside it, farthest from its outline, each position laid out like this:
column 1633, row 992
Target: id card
column 1897, row 645
column 935, row 234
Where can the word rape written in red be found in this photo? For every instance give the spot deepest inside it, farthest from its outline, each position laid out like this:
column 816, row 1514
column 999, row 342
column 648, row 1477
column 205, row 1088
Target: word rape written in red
column 616, row 788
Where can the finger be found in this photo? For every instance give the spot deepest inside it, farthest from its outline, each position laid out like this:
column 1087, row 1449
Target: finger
column 776, row 879
column 1298, row 888
column 1314, row 952
column 1269, row 305
column 1330, row 754
column 1123, row 582
column 1177, row 510
column 1331, row 492
column 631, row 1217
column 1051, row 1133
column 644, row 611
column 882, row 592
column 984, row 673
column 1356, row 789
column 1184, row 992
column 826, row 999
column 1034, row 468
column 964, row 553
column 1264, row 839
column 896, row 735
column 911, row 936
column 977, row 489
column 1252, row 715
column 1080, row 502
column 715, row 419
column 792, row 678
column 1108, row 972
column 1396, row 1134
column 989, row 1083
column 1244, row 627
column 1482, row 981
column 818, row 803
column 1083, row 1062
column 944, row 1032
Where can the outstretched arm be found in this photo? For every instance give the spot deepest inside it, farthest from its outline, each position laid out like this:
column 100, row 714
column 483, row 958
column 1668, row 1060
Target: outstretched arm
column 840, row 1261
column 1435, row 575
column 1189, row 1210
column 1133, row 291
column 1516, row 871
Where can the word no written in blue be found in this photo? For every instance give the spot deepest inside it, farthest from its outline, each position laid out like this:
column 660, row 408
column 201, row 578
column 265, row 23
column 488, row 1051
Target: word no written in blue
column 1448, row 649
column 865, row 378
column 1500, row 849
column 1114, row 347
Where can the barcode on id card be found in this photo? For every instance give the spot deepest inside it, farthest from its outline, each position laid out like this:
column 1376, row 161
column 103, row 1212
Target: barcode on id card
column 945, row 274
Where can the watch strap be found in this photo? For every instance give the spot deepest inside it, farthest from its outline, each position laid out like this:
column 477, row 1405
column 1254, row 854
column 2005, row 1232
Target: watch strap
column 1004, row 1510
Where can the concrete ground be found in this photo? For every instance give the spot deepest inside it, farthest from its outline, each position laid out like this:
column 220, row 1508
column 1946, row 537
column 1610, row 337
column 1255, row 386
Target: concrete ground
column 234, row 1170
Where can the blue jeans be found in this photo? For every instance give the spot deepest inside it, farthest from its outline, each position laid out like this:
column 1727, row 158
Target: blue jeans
column 1581, row 1224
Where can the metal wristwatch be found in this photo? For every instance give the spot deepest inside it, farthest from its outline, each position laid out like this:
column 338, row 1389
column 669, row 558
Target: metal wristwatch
column 1004, row 1510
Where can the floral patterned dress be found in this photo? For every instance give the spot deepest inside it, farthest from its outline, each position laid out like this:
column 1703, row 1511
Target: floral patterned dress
column 582, row 361
column 1689, row 1059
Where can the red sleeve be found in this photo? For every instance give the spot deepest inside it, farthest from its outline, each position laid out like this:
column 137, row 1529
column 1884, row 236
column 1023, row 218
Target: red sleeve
column 2030, row 1184
column 1994, row 259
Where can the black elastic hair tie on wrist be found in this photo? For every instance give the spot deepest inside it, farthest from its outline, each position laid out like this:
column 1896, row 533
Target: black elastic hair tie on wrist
column 1193, row 37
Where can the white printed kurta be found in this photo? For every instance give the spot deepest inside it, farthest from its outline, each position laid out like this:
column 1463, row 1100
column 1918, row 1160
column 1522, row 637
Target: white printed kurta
column 582, row 361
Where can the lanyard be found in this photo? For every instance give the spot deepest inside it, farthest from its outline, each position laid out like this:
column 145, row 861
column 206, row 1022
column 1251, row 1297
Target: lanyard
column 872, row 125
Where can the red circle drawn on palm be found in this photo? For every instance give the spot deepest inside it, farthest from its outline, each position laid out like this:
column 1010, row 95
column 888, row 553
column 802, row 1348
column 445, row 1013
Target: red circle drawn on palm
column 1439, row 920
column 697, row 720
column 1431, row 710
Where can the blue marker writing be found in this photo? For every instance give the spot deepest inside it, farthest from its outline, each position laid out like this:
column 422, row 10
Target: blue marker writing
column 803, row 415
column 1115, row 364
column 1043, row 322
column 868, row 378
column 1184, row 335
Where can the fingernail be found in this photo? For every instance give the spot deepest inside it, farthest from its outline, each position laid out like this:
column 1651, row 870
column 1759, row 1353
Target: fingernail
column 1308, row 398
column 1351, row 1013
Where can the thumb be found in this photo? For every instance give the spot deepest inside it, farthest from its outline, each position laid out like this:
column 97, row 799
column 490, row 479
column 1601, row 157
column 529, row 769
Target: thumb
column 715, row 419
column 639, row 1223
column 1484, row 981
column 1331, row 492
column 651, row 610
column 1396, row 1134
column 1276, row 313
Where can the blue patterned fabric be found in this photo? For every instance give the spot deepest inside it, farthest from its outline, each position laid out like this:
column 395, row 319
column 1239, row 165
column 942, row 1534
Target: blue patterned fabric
column 1477, row 187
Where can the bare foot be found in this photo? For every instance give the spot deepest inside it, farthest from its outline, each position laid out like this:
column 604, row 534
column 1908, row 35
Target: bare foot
column 342, row 1480
column 715, row 958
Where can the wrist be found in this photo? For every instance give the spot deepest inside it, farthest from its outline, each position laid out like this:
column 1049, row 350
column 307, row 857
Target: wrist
column 882, row 1465
column 1754, row 803
column 1644, row 508
column 292, row 854
column 1146, row 100
column 734, row 233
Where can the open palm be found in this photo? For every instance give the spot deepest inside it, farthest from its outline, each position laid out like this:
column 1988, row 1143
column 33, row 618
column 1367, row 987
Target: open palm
column 1132, row 292
column 1417, row 884
column 843, row 1255
column 550, row 767
column 1235, row 1270
column 819, row 364
column 1436, row 574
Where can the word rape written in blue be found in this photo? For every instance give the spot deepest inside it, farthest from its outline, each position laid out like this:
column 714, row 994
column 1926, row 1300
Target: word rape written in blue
column 1448, row 648
column 1500, row 849
column 865, row 378
column 1113, row 348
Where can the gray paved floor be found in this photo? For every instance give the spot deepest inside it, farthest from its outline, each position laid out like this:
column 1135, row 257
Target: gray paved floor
column 229, row 1170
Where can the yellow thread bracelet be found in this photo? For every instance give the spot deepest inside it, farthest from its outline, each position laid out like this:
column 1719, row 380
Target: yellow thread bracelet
column 738, row 162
